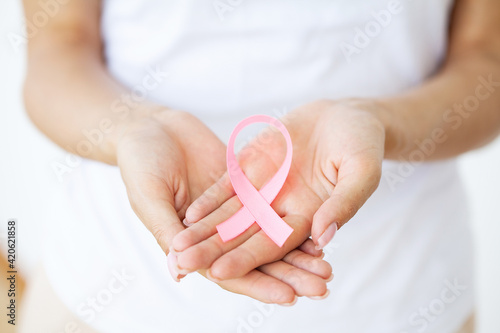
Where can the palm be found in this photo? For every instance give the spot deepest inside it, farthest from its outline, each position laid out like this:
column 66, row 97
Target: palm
column 163, row 174
column 157, row 169
column 327, row 150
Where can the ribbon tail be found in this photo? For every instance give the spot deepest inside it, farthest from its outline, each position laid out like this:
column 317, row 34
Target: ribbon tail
column 278, row 230
column 235, row 225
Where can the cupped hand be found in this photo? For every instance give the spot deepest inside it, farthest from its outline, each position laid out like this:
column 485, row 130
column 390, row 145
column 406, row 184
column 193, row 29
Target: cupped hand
column 338, row 148
column 170, row 158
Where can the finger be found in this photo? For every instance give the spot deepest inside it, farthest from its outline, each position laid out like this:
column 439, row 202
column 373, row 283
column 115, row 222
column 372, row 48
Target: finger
column 210, row 200
column 205, row 253
column 156, row 201
column 310, row 248
column 258, row 250
column 173, row 267
column 308, row 263
column 262, row 167
column 206, row 228
column 158, row 214
column 351, row 192
column 202, row 230
column 161, row 219
column 304, row 283
column 260, row 286
column 200, row 245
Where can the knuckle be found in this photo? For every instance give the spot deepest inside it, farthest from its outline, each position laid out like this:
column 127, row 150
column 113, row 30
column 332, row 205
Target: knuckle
column 209, row 198
column 375, row 173
column 230, row 207
column 292, row 257
column 322, row 268
column 279, row 295
column 251, row 259
column 372, row 170
column 292, row 277
column 348, row 209
column 247, row 154
column 351, row 208
column 195, row 260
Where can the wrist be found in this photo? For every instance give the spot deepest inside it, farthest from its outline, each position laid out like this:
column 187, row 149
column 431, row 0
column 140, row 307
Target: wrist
column 385, row 112
column 172, row 125
column 140, row 120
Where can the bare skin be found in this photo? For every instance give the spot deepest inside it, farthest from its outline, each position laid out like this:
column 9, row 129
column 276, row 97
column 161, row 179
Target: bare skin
column 68, row 90
column 80, row 91
column 339, row 147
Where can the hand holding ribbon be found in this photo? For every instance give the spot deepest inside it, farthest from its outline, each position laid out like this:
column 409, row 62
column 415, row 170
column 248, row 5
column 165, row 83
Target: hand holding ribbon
column 338, row 152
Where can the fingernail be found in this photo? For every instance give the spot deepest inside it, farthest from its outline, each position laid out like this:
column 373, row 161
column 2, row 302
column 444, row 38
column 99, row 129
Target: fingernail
column 290, row 304
column 172, row 266
column 186, row 223
column 182, row 272
column 211, row 277
column 330, row 278
column 327, row 236
column 317, row 298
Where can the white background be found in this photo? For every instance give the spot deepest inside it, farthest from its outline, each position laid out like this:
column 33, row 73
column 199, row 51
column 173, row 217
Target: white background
column 26, row 178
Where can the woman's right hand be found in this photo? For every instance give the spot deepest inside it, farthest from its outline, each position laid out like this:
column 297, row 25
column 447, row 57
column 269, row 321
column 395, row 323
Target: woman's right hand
column 170, row 158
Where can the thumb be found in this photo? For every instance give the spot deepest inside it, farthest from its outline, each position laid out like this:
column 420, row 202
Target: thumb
column 210, row 200
column 160, row 217
column 353, row 188
column 156, row 203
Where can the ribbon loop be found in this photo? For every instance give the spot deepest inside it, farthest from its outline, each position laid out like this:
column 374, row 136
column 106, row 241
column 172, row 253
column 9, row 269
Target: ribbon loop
column 257, row 204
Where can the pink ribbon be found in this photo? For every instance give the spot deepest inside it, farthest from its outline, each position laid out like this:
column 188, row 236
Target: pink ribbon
column 257, row 204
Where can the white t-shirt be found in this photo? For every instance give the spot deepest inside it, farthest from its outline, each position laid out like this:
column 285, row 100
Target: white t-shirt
column 402, row 264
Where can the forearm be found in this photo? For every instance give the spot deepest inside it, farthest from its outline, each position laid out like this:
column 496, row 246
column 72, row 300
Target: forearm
column 455, row 111
column 458, row 109
column 71, row 97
